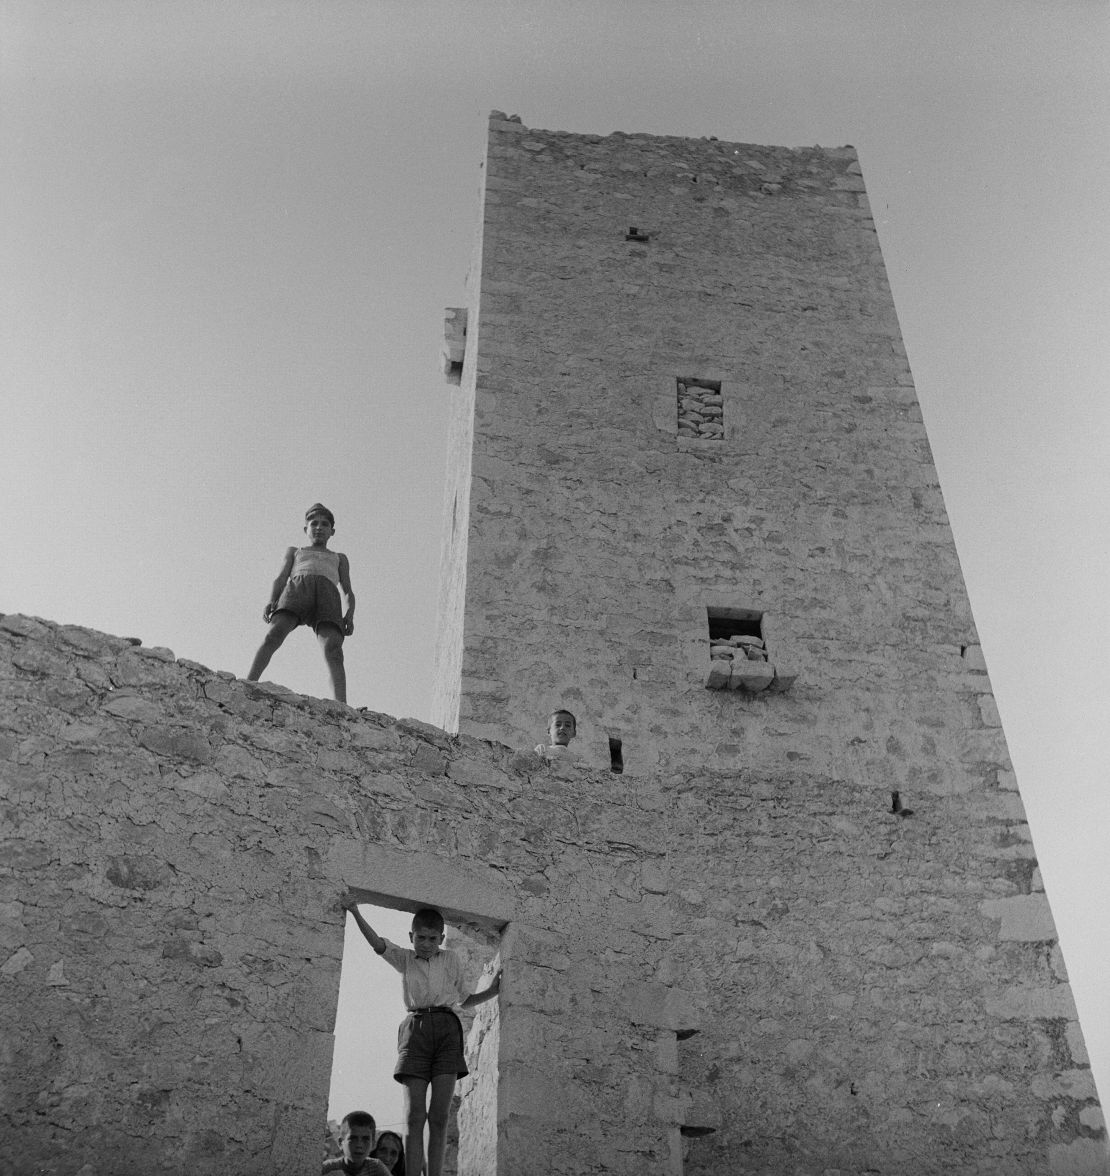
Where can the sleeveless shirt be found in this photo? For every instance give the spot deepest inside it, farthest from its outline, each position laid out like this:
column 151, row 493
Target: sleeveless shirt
column 314, row 561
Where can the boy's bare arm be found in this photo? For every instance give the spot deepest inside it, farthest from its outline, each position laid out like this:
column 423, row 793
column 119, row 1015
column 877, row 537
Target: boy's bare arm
column 279, row 584
column 369, row 934
column 345, row 584
column 477, row 998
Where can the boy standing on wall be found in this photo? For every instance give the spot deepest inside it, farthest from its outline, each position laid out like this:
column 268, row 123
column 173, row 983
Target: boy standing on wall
column 430, row 1040
column 306, row 592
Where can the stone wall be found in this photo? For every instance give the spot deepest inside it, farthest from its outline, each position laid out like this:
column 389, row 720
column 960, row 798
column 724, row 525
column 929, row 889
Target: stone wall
column 175, row 843
column 685, row 398
column 590, row 534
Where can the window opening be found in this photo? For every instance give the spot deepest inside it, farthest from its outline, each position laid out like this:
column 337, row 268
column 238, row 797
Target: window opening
column 616, row 759
column 738, row 655
column 701, row 409
column 897, row 807
column 726, row 623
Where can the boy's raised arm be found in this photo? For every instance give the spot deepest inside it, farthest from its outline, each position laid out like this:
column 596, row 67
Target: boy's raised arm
column 369, row 934
column 477, row 998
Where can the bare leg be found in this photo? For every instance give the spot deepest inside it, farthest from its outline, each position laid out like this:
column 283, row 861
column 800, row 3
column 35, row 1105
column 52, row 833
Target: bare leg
column 331, row 640
column 281, row 625
column 415, row 1111
column 443, row 1090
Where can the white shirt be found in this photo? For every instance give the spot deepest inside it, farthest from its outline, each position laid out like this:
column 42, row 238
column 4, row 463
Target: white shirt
column 557, row 751
column 428, row 983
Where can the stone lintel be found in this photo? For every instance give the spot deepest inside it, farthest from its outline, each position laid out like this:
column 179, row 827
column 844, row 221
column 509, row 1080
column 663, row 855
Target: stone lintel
column 408, row 881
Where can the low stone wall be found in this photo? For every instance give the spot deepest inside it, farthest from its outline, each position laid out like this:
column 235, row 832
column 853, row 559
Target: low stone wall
column 175, row 846
column 731, row 971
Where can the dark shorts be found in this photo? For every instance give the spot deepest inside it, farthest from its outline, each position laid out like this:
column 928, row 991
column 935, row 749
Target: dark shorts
column 313, row 600
column 428, row 1044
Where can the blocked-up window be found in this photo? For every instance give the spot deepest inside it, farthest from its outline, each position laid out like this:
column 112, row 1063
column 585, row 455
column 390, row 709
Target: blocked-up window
column 701, row 409
column 738, row 654
column 734, row 631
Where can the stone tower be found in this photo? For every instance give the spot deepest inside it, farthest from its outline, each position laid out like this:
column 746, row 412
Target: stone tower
column 692, row 499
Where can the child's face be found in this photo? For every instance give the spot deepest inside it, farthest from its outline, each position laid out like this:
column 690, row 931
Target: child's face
column 319, row 531
column 561, row 730
column 425, row 941
column 388, row 1151
column 356, row 1143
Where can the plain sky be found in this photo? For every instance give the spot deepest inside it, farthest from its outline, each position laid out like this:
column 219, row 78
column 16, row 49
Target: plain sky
column 229, row 231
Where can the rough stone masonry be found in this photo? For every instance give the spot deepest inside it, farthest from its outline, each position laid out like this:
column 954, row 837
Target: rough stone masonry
column 684, row 417
column 804, row 932
column 175, row 841
column 175, row 846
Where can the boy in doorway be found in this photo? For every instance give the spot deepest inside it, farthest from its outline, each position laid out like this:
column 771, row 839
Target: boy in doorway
column 306, row 592
column 430, row 1040
column 356, row 1141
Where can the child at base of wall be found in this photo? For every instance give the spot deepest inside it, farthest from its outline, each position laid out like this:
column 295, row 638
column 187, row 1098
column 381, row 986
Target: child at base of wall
column 390, row 1149
column 306, row 592
column 356, row 1142
column 430, row 1041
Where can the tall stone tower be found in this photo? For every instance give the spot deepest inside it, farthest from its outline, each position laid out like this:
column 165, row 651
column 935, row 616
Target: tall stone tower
column 692, row 499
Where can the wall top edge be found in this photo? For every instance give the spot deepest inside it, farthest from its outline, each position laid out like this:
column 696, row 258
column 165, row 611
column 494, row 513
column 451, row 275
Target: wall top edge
column 502, row 123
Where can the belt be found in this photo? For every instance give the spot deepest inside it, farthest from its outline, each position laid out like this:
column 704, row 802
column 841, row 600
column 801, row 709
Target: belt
column 433, row 1009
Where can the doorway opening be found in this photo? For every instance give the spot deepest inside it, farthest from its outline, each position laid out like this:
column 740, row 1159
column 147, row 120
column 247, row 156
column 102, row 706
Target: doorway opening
column 369, row 1010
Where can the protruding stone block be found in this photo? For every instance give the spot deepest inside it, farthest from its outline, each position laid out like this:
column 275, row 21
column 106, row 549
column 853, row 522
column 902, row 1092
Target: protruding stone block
column 751, row 675
column 718, row 674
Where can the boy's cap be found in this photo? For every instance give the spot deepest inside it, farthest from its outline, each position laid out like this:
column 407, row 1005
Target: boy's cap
column 318, row 508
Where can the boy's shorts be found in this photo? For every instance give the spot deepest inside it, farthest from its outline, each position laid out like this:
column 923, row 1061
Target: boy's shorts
column 313, row 600
column 430, row 1042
